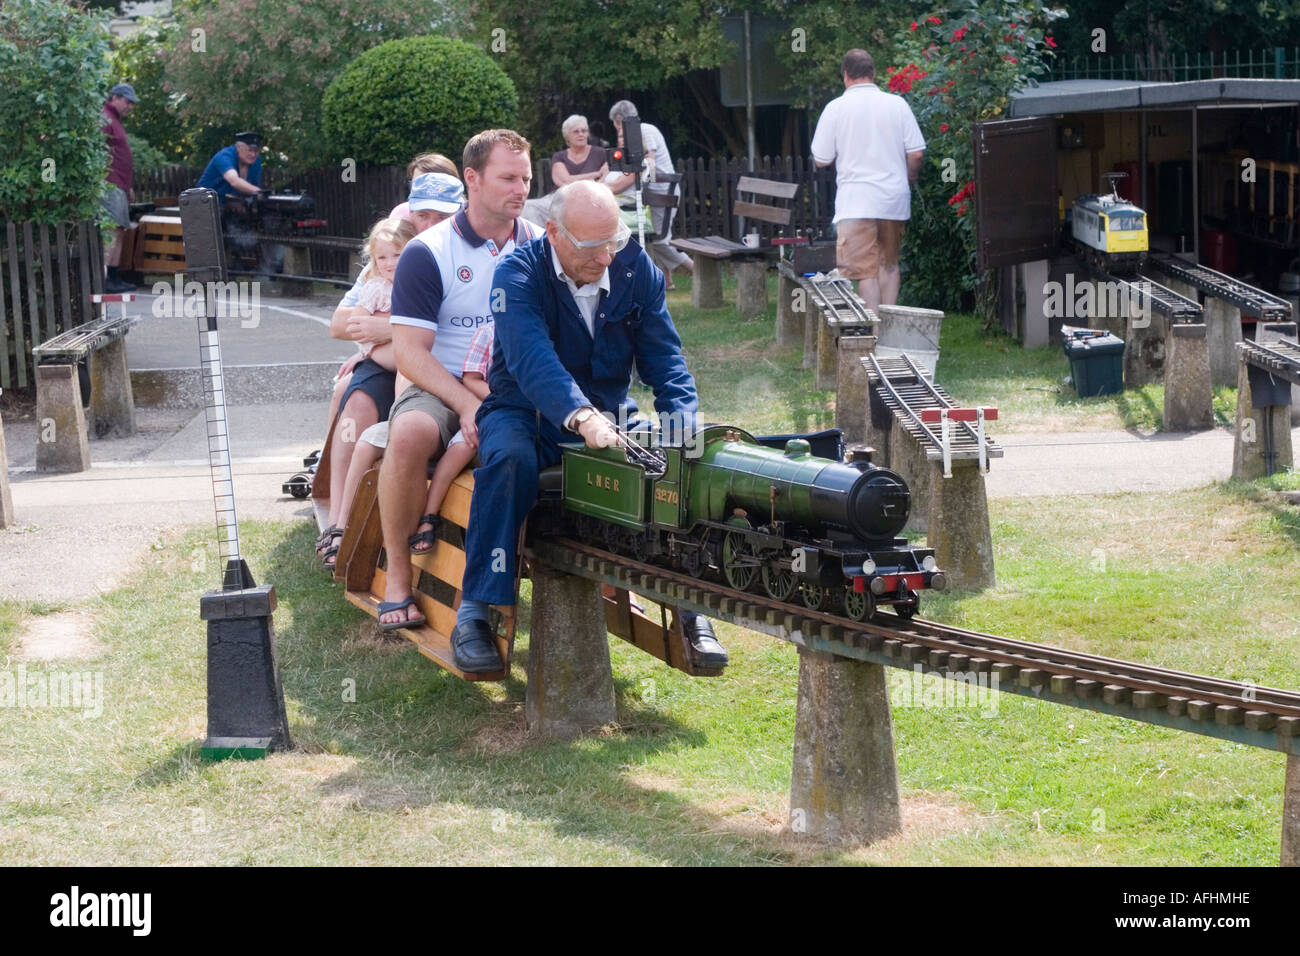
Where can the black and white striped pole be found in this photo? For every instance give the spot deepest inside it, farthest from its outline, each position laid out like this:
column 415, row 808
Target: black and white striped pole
column 246, row 716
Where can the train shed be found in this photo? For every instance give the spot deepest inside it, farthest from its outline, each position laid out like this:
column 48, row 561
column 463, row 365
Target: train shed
column 1215, row 163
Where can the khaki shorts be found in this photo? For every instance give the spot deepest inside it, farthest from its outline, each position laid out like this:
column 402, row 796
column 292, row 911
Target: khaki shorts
column 863, row 246
column 115, row 205
column 416, row 399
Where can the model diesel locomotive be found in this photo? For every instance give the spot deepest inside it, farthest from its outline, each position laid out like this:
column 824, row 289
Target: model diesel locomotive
column 1111, row 232
column 783, row 521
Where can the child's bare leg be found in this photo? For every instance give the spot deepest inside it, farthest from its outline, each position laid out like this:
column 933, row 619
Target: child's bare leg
column 358, row 415
column 455, row 460
column 363, row 459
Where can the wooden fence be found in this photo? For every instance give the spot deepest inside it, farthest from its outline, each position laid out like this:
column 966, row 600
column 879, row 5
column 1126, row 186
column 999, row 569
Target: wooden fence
column 708, row 190
column 47, row 274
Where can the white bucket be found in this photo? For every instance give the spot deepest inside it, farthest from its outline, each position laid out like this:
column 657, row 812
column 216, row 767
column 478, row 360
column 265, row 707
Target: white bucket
column 904, row 327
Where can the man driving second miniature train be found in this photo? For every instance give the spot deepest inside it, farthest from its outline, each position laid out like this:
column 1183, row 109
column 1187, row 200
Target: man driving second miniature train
column 574, row 311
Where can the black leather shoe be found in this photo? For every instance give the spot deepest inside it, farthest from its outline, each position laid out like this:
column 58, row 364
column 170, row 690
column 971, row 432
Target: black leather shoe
column 473, row 648
column 705, row 649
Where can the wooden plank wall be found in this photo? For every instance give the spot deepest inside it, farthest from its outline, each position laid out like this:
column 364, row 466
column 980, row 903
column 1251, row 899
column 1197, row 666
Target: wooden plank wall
column 47, row 274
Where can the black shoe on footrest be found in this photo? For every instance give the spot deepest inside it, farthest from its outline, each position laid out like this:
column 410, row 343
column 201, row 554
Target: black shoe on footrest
column 705, row 649
column 474, row 648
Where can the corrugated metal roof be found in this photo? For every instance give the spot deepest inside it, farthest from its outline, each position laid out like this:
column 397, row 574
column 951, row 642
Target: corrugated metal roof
column 1093, row 96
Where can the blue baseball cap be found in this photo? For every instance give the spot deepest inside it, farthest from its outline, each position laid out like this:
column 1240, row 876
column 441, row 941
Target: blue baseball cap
column 436, row 191
column 125, row 89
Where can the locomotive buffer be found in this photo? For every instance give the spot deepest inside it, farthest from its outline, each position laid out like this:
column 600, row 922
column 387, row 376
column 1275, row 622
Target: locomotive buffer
column 246, row 715
column 924, row 410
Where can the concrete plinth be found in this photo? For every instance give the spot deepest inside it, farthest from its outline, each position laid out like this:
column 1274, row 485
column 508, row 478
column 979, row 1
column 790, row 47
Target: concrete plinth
column 827, row 356
column 1291, row 813
column 1223, row 329
column 1144, row 350
column 907, row 458
column 852, row 392
column 1185, row 289
column 570, row 684
column 297, row 262
column 959, row 526
column 812, row 320
column 844, row 785
column 1107, row 313
column 61, row 440
column 112, row 408
column 1259, row 431
column 6, row 497
column 706, row 283
column 1282, row 332
column 751, row 287
column 880, row 426
column 1189, row 401
column 789, row 323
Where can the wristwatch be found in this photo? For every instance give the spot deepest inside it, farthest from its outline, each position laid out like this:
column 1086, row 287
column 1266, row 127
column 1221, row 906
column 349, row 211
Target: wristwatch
column 580, row 416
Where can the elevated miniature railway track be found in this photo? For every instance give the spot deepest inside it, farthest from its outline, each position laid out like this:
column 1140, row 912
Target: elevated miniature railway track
column 79, row 342
column 1233, row 710
column 1253, row 303
column 1279, row 359
column 908, row 392
column 838, row 301
column 1145, row 292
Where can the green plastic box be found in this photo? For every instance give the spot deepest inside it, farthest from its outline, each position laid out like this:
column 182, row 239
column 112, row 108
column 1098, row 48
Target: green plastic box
column 1096, row 361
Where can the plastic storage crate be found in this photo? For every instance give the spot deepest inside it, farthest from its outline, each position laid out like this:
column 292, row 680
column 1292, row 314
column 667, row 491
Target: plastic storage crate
column 1096, row 361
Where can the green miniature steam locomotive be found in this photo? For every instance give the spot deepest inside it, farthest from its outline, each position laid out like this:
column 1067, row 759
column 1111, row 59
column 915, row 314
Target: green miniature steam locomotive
column 724, row 505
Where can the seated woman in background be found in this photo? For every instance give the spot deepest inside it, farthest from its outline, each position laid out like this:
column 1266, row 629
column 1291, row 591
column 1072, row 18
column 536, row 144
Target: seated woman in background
column 580, row 160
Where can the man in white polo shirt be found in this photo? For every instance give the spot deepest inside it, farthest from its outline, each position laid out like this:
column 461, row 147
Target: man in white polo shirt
column 872, row 138
column 441, row 297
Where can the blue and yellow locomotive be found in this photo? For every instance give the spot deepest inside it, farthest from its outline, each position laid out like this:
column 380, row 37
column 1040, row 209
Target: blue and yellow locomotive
column 1109, row 231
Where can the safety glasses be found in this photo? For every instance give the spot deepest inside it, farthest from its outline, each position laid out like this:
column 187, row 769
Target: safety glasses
column 592, row 247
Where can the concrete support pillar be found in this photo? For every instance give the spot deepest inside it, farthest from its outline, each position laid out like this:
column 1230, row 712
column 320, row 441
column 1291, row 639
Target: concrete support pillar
column 827, row 356
column 706, row 283
column 844, row 785
column 570, row 684
column 880, row 425
column 1186, row 290
column 1036, row 328
column 1280, row 332
column 959, row 528
column 907, row 458
column 1189, row 401
column 812, row 320
column 61, row 440
column 1223, row 332
column 1144, row 350
column 852, row 393
column 1103, row 316
column 1291, row 813
column 751, row 287
column 789, row 323
column 1259, row 433
column 112, row 407
column 297, row 262
column 6, row 497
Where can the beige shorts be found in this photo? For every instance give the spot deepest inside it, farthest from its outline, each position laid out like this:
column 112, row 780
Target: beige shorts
column 416, row 399
column 863, row 246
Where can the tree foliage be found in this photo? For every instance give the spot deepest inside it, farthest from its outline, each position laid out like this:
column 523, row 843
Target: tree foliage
column 385, row 106
column 266, row 64
column 958, row 66
column 54, row 72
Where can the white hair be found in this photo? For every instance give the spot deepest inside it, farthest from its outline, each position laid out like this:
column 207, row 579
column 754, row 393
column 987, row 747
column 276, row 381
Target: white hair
column 570, row 124
column 622, row 110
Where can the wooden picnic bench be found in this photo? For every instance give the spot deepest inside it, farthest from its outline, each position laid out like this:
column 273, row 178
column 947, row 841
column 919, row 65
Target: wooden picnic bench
column 62, row 439
column 751, row 262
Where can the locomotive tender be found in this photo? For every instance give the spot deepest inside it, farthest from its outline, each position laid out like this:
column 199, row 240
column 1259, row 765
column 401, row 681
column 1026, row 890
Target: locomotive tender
column 783, row 521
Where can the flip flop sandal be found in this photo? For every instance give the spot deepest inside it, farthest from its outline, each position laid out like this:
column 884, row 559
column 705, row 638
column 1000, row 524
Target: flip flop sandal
column 388, row 607
column 429, row 537
column 324, row 541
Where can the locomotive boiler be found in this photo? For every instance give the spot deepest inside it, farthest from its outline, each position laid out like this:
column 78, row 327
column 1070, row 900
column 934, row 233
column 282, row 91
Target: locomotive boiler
column 780, row 521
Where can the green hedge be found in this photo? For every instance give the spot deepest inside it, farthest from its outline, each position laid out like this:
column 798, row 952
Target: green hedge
column 413, row 95
column 54, row 74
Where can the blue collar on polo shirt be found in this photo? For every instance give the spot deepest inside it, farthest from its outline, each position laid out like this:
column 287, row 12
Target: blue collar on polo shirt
column 461, row 224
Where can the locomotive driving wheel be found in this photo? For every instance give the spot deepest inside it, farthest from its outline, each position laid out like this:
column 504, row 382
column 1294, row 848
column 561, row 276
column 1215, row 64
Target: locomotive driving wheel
column 778, row 582
column 860, row 607
column 737, row 561
column 815, row 597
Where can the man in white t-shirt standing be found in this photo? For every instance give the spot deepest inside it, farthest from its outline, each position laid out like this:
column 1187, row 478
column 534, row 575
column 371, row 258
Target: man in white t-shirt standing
column 872, row 138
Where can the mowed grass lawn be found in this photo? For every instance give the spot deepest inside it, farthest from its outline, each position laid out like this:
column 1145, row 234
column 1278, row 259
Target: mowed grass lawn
column 397, row 762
